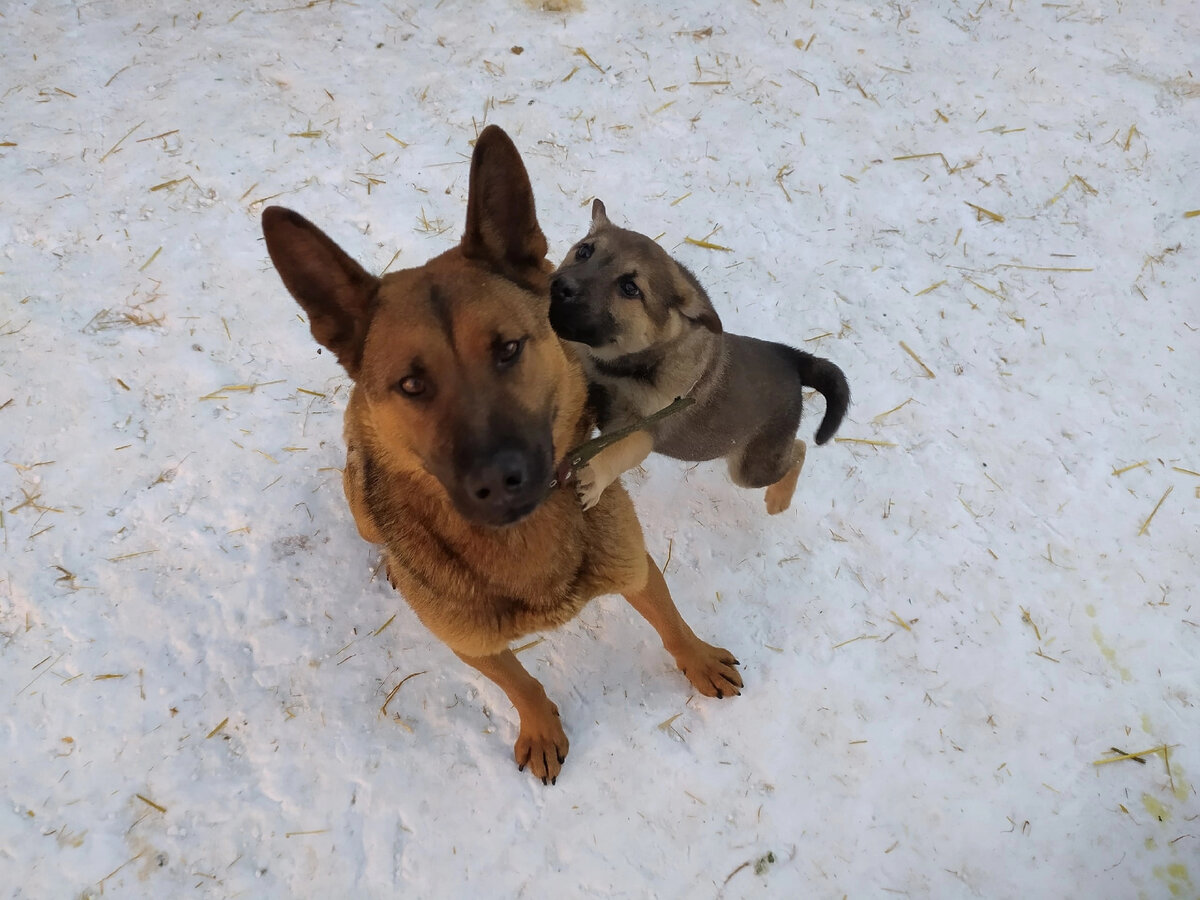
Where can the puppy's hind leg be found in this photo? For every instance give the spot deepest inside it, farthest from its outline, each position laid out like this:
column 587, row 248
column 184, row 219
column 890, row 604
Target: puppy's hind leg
column 772, row 459
column 779, row 494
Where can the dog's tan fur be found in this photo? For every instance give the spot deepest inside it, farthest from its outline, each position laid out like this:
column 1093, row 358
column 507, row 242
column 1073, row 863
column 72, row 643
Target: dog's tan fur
column 477, row 586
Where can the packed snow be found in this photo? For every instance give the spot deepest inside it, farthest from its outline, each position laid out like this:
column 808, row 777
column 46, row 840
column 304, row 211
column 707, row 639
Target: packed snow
column 983, row 595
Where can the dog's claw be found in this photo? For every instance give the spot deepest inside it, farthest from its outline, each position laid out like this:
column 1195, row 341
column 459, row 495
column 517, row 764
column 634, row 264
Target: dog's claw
column 711, row 670
column 542, row 745
column 586, row 487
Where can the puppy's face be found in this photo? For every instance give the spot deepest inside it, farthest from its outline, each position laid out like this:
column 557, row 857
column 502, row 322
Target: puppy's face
column 618, row 292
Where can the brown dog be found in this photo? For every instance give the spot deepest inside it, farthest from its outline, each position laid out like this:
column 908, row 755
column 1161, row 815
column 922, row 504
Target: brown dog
column 464, row 400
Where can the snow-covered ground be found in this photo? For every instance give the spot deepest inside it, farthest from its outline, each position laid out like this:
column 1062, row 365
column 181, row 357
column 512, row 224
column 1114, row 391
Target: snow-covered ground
column 979, row 210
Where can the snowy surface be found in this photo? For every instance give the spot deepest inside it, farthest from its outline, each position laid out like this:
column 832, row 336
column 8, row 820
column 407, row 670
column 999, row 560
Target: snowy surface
column 939, row 639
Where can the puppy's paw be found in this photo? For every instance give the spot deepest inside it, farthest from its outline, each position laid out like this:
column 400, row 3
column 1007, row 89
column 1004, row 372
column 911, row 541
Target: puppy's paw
column 711, row 670
column 542, row 745
column 588, row 487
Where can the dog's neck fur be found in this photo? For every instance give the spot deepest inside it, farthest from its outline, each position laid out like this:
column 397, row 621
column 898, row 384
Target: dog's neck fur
column 675, row 368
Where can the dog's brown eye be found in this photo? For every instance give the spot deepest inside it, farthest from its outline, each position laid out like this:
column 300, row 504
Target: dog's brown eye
column 507, row 353
column 583, row 251
column 412, row 386
column 629, row 288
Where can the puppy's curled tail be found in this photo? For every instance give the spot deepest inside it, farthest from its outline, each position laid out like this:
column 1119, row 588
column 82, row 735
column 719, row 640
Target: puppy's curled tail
column 817, row 372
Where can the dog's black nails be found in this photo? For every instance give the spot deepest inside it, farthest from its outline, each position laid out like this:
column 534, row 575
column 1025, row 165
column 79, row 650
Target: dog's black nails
column 521, row 767
column 554, row 780
column 720, row 696
column 543, row 779
column 561, row 759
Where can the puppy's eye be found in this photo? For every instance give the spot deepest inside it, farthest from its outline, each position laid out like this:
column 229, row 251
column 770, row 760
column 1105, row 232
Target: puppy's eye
column 583, row 251
column 629, row 288
column 508, row 352
column 412, row 386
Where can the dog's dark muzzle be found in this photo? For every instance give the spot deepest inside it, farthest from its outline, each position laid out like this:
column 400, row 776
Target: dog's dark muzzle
column 572, row 318
column 504, row 482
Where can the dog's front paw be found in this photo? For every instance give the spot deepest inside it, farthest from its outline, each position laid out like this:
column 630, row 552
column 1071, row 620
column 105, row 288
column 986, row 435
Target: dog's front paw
column 542, row 745
column 588, row 487
column 711, row 670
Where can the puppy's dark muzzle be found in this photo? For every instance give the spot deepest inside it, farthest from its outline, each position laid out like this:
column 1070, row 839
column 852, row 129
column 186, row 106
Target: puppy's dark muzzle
column 572, row 318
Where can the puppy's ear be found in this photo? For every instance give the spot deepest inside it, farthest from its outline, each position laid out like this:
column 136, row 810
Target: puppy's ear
column 692, row 302
column 502, row 228
column 599, row 214
column 336, row 292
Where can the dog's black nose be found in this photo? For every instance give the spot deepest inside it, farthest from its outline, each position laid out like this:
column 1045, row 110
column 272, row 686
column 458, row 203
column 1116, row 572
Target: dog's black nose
column 504, row 474
column 505, row 485
column 562, row 290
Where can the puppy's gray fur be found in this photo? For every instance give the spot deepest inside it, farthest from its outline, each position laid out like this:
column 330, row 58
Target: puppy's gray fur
column 648, row 333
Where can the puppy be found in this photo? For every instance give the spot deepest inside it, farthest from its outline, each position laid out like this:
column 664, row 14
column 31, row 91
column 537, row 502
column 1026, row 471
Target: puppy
column 648, row 334
column 463, row 402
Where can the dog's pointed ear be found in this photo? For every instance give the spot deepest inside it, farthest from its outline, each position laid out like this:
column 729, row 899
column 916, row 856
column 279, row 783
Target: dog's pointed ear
column 502, row 227
column 599, row 214
column 336, row 292
column 692, row 302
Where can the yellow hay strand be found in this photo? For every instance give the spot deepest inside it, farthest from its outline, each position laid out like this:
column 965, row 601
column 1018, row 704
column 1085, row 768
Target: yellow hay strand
column 109, row 676
column 153, row 257
column 579, row 51
column 155, row 137
column 1162, row 749
column 880, row 417
column 899, row 621
column 679, row 200
column 1028, row 620
column 1045, row 268
column 1176, row 468
column 396, row 139
column 1146, row 524
column 868, row 442
column 151, row 803
column 223, row 723
column 1190, row 214
column 289, row 834
column 1136, row 465
column 311, row 393
column 932, row 287
column 707, row 245
column 917, row 359
column 131, row 555
column 113, row 148
column 995, row 217
column 951, row 170
column 306, row 134
column 383, row 709
column 378, row 631
column 667, row 725
column 861, row 637
column 390, row 261
column 527, row 646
